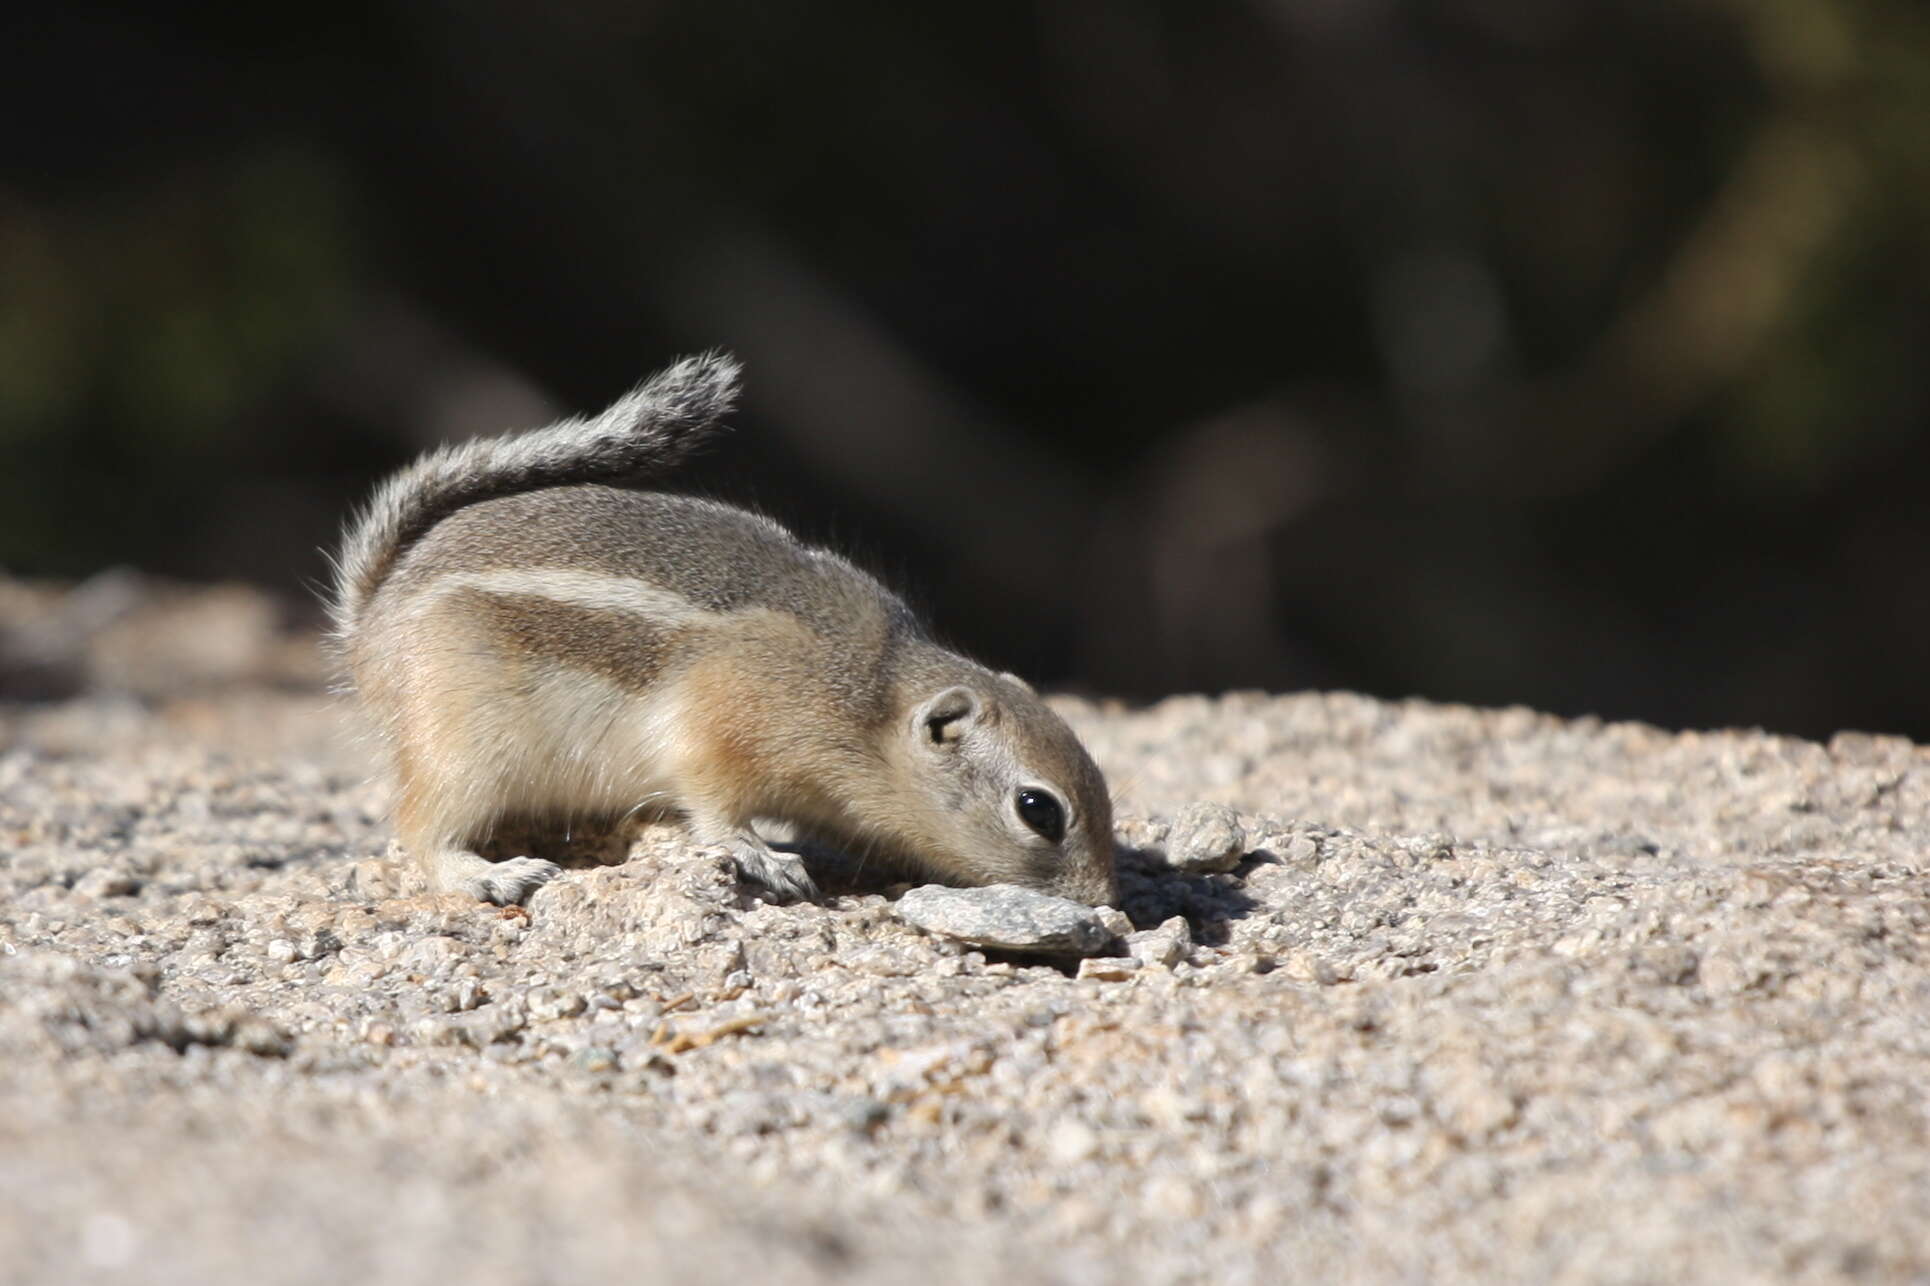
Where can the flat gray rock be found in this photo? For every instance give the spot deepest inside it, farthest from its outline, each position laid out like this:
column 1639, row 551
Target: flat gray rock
column 1005, row 917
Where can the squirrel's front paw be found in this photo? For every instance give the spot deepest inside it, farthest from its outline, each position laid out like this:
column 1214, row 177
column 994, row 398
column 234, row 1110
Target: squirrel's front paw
column 781, row 873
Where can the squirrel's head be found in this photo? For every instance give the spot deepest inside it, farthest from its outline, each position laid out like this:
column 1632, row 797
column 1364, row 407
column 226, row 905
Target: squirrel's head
column 1005, row 793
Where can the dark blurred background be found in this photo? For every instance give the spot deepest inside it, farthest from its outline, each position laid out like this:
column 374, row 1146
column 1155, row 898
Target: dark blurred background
column 1563, row 352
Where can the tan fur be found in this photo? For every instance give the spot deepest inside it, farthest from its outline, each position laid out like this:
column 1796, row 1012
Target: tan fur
column 583, row 650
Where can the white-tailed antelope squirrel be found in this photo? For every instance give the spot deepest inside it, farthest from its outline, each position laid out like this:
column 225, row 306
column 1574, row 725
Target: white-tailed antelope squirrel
column 533, row 639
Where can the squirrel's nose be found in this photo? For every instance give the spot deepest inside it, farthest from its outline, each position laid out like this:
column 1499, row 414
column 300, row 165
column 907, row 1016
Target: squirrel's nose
column 1094, row 888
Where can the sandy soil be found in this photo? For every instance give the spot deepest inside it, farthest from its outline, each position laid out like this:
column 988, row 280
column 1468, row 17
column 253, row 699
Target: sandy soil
column 1493, row 997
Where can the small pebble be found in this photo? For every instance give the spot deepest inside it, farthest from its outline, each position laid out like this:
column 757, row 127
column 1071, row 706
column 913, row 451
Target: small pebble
column 863, row 1114
column 1162, row 947
column 596, row 1059
column 1070, row 1142
column 1206, row 839
column 108, row 884
column 1107, row 968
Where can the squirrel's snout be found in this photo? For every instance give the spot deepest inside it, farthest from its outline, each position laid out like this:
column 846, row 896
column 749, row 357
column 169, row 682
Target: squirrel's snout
column 1094, row 888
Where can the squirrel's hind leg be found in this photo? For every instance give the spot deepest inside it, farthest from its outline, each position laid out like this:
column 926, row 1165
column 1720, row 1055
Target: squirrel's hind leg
column 433, row 826
column 505, row 883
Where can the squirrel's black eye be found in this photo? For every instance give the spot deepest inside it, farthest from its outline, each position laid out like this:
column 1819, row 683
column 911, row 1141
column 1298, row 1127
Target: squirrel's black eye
column 1042, row 813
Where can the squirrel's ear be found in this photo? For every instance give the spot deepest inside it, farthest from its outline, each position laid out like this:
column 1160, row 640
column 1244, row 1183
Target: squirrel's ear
column 942, row 720
column 1017, row 682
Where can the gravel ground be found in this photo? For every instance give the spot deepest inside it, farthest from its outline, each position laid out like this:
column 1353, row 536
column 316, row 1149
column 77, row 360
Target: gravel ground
column 1482, row 996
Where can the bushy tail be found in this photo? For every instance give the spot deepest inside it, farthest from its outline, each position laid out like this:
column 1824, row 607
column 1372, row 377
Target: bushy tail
column 644, row 434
